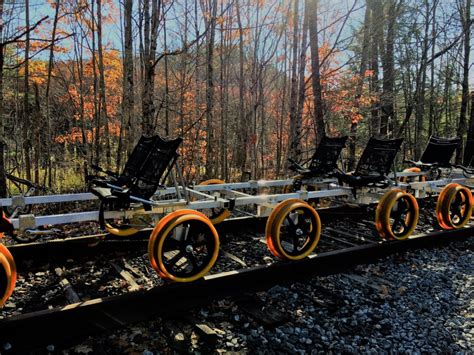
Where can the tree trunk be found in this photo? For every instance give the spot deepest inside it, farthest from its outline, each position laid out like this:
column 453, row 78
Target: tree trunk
column 316, row 75
column 3, row 180
column 374, row 66
column 295, row 126
column 47, row 96
column 387, row 114
column 130, row 123
column 469, row 150
column 210, row 90
column 26, row 105
column 150, row 43
column 420, row 88
column 432, row 125
column 302, row 68
column 242, row 135
column 362, row 68
column 96, row 101
column 167, row 84
column 103, row 100
column 37, row 133
column 466, row 22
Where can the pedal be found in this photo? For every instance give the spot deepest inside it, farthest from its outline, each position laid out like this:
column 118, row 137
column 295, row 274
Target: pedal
column 39, row 232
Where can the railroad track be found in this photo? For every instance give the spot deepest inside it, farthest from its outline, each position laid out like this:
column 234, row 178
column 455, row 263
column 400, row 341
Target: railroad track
column 341, row 247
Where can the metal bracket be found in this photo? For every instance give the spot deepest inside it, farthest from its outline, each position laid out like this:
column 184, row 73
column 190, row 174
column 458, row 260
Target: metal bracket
column 230, row 204
column 18, row 201
column 303, row 195
column 26, row 221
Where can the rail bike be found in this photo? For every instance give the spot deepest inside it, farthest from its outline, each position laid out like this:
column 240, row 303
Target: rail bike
column 184, row 244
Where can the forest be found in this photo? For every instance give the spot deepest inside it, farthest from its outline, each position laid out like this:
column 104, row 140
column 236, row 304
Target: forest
column 245, row 83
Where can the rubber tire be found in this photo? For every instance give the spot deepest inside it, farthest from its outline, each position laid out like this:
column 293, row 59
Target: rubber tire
column 161, row 231
column 382, row 214
column 269, row 224
column 274, row 222
column 443, row 206
column 120, row 232
column 8, row 266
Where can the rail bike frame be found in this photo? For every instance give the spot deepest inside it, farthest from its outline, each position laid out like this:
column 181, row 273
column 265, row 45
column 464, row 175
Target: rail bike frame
column 197, row 197
column 423, row 189
column 226, row 196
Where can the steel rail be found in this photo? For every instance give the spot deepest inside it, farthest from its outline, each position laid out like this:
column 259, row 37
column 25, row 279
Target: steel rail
column 61, row 326
column 58, row 250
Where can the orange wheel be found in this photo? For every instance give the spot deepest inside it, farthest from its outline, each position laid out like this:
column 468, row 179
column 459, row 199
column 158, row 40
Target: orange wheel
column 270, row 222
column 396, row 215
column 185, row 246
column 454, row 206
column 420, row 178
column 155, row 235
column 7, row 274
column 294, row 230
column 122, row 227
column 216, row 215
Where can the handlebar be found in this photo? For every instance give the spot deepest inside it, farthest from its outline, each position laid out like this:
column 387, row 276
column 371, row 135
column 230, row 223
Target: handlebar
column 105, row 171
column 465, row 169
column 419, row 163
column 294, row 165
column 25, row 182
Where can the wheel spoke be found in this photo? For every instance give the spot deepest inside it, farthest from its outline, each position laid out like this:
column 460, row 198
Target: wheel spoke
column 403, row 223
column 295, row 243
column 455, row 213
column 291, row 223
column 192, row 258
column 396, row 222
column 172, row 262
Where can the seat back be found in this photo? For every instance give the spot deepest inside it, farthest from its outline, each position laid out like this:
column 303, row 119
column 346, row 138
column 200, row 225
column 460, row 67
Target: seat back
column 325, row 157
column 149, row 164
column 378, row 157
column 440, row 151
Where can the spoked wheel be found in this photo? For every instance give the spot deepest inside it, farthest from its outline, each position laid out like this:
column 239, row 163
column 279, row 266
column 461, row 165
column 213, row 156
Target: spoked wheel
column 7, row 274
column 293, row 230
column 408, row 179
column 396, row 215
column 183, row 246
column 121, row 226
column 216, row 215
column 454, row 206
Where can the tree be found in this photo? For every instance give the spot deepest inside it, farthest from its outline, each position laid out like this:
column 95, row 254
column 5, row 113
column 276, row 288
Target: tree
column 3, row 180
column 211, row 33
column 151, row 20
column 316, row 75
column 466, row 27
column 128, row 84
column 295, row 123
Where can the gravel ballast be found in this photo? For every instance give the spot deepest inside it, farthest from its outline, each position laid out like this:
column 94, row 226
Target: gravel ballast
column 419, row 301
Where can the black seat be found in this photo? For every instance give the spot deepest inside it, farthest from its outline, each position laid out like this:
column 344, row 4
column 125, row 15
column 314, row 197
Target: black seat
column 324, row 160
column 439, row 151
column 375, row 163
column 146, row 169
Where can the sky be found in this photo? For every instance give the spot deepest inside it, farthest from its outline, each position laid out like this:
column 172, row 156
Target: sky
column 111, row 33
